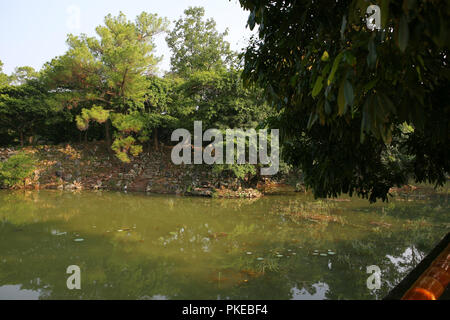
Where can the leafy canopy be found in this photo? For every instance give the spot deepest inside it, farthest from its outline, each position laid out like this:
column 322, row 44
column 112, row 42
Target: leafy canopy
column 109, row 75
column 26, row 107
column 345, row 91
column 4, row 79
column 112, row 68
column 197, row 45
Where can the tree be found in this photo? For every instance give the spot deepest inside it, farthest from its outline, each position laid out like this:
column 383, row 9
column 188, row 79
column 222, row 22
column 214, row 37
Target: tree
column 209, row 86
column 159, row 107
column 110, row 71
column 219, row 99
column 4, row 79
column 26, row 108
column 197, row 45
column 346, row 92
column 23, row 74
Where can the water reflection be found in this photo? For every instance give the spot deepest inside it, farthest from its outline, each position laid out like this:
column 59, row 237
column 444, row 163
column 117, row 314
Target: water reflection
column 319, row 292
column 17, row 293
column 154, row 247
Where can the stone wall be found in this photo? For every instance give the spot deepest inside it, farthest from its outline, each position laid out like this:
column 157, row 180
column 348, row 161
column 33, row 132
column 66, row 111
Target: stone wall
column 91, row 167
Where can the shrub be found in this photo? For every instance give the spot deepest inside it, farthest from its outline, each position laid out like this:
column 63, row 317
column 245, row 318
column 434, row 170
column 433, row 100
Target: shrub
column 16, row 169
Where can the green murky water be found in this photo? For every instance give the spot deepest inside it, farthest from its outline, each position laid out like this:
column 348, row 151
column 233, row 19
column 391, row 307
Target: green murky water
column 285, row 246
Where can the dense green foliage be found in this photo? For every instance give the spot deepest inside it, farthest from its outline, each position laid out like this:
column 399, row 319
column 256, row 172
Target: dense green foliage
column 360, row 111
column 109, row 72
column 109, row 83
column 4, row 80
column 197, row 45
column 16, row 169
column 345, row 92
column 26, row 110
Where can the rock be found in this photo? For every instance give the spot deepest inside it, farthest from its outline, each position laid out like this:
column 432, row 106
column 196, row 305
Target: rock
column 69, row 187
column 200, row 192
column 59, row 173
column 205, row 184
column 76, row 163
column 68, row 177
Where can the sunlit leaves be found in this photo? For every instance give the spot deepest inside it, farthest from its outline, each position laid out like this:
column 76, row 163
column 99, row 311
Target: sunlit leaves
column 325, row 56
column 335, row 67
column 96, row 113
column 16, row 169
column 317, row 87
column 126, row 147
column 197, row 45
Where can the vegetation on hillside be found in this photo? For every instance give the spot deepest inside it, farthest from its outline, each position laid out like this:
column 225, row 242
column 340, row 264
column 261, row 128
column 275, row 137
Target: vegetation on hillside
column 360, row 111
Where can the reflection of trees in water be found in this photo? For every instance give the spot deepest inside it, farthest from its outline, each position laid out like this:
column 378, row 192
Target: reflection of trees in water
column 213, row 262
column 107, row 272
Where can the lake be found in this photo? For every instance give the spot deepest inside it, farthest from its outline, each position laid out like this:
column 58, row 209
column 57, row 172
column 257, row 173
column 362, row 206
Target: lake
column 283, row 246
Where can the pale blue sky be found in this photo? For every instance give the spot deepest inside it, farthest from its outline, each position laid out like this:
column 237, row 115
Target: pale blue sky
column 33, row 32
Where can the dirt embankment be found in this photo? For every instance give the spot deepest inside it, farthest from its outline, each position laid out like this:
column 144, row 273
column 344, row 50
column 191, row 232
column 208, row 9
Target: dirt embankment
column 92, row 167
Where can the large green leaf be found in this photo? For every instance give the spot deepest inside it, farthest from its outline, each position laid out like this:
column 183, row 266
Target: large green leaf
column 403, row 34
column 317, row 87
column 341, row 99
column 348, row 92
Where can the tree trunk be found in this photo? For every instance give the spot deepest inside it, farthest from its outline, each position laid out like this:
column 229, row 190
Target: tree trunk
column 21, row 138
column 107, row 132
column 155, row 139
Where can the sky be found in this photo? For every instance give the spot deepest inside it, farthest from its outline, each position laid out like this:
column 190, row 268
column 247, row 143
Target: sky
column 33, row 32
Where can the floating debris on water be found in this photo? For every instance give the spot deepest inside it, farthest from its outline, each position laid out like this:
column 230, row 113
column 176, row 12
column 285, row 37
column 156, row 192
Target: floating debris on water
column 279, row 256
column 323, row 254
column 78, row 240
column 260, row 259
column 249, row 253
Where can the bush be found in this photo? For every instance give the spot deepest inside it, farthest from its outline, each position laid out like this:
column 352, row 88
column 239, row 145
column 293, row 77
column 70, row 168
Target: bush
column 16, row 169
